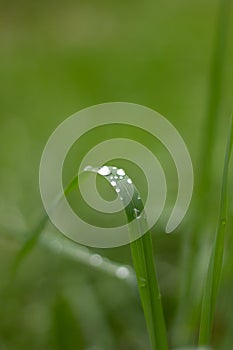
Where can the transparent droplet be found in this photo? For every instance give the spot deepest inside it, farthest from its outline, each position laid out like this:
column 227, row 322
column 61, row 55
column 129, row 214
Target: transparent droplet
column 129, row 181
column 87, row 168
column 118, row 190
column 137, row 213
column 121, row 177
column 116, row 177
column 223, row 221
column 113, row 183
column 139, row 197
column 111, row 177
column 96, row 260
column 142, row 282
column 104, row 171
column 122, row 272
column 114, row 167
column 120, row 172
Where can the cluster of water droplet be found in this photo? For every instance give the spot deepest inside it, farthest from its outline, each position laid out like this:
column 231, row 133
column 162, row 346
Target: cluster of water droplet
column 115, row 174
column 121, row 272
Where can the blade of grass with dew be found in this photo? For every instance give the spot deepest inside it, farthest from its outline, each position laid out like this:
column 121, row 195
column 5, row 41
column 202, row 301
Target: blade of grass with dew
column 56, row 242
column 215, row 264
column 70, row 249
column 53, row 241
column 142, row 255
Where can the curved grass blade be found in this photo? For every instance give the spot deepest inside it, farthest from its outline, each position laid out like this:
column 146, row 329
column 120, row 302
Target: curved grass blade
column 142, row 253
column 33, row 238
column 215, row 264
column 70, row 248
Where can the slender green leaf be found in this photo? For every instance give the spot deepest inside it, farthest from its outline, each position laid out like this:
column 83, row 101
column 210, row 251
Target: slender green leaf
column 36, row 232
column 67, row 331
column 187, row 317
column 215, row 265
column 142, row 255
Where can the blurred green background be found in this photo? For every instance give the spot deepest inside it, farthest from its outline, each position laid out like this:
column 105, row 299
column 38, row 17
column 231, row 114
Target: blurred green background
column 56, row 58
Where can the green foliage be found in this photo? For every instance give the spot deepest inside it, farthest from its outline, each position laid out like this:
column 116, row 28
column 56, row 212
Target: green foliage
column 59, row 57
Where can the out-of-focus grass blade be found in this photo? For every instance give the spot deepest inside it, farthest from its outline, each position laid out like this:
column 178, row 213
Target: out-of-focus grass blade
column 187, row 315
column 70, row 249
column 36, row 232
column 66, row 329
column 214, row 93
column 193, row 348
column 142, row 253
column 215, row 265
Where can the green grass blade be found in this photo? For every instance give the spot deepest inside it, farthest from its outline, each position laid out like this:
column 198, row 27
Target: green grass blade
column 36, row 232
column 66, row 330
column 215, row 265
column 215, row 94
column 188, row 317
column 70, row 249
column 143, row 258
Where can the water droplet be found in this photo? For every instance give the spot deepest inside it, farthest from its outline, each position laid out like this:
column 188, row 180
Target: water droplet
column 142, row 282
column 129, row 181
column 121, row 177
column 137, row 213
column 111, row 177
column 118, row 190
column 121, row 198
column 122, row 272
column 114, row 167
column 116, row 177
column 139, row 197
column 113, row 183
column 87, row 168
column 104, row 171
column 120, row 172
column 96, row 260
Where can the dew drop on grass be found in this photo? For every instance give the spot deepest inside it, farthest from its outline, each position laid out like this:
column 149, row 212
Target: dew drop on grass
column 142, row 282
column 121, row 177
column 136, row 213
column 104, row 171
column 120, row 172
column 223, row 221
column 116, row 177
column 129, row 181
column 87, row 168
column 122, row 272
column 96, row 260
column 118, row 190
column 113, row 183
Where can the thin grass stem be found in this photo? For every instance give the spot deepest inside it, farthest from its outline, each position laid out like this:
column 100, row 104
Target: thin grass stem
column 215, row 264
